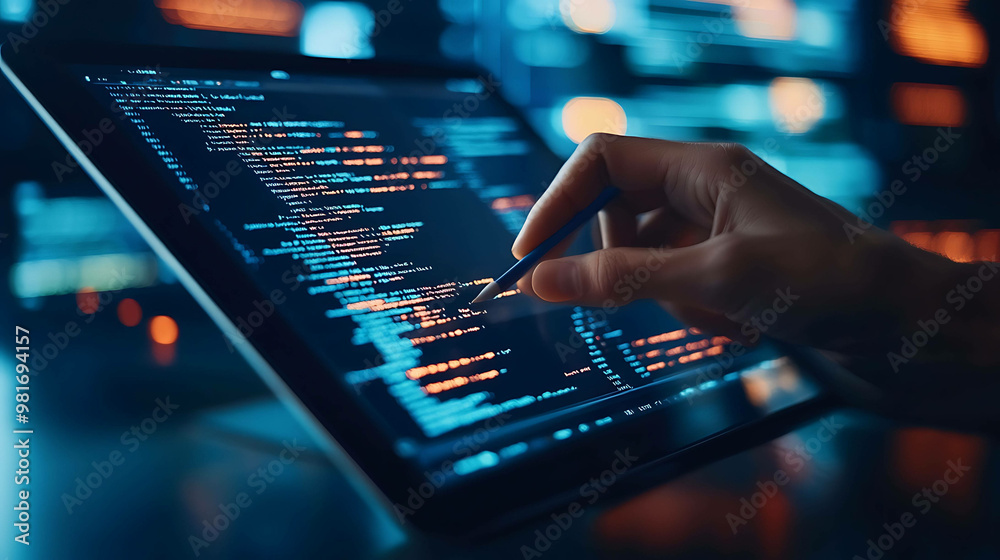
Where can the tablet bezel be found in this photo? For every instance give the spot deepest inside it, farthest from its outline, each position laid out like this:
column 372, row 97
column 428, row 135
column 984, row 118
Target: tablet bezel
column 119, row 167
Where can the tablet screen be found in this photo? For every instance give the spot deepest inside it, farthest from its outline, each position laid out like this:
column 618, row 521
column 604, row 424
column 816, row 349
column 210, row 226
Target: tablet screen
column 370, row 211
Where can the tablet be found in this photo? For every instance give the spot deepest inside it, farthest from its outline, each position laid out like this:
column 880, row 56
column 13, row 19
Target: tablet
column 335, row 218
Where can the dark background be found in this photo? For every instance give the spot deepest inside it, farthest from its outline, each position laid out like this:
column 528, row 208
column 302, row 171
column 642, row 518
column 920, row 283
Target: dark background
column 862, row 103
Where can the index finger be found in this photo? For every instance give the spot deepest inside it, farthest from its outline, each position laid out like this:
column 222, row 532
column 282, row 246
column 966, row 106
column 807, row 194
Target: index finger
column 649, row 173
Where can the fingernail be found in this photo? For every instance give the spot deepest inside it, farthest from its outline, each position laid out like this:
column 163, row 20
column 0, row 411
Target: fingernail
column 566, row 277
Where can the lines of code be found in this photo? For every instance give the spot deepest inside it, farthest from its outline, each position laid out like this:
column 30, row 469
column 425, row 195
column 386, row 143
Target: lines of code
column 391, row 215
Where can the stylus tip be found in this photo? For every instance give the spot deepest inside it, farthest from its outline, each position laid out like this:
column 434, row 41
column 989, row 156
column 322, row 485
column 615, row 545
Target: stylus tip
column 488, row 293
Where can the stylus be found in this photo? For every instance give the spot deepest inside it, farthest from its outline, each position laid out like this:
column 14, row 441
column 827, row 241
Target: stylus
column 521, row 267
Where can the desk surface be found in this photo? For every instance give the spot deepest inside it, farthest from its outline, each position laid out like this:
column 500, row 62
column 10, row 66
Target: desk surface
column 824, row 490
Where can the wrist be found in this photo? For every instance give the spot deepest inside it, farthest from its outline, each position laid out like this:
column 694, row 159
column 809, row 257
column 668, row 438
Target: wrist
column 948, row 312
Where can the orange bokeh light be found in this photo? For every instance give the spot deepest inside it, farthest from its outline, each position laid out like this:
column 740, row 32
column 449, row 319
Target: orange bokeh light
column 928, row 104
column 163, row 329
column 956, row 245
column 937, row 32
column 959, row 241
column 259, row 17
column 582, row 116
column 129, row 312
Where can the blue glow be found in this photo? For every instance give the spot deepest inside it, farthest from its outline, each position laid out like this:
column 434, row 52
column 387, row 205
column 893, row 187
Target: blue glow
column 843, row 172
column 513, row 450
column 746, row 103
column 477, row 462
column 71, row 242
column 279, row 75
column 816, row 29
column 458, row 42
column 530, row 14
column 464, row 86
column 675, row 40
column 48, row 277
column 563, row 434
column 337, row 30
column 458, row 11
column 16, row 10
column 550, row 48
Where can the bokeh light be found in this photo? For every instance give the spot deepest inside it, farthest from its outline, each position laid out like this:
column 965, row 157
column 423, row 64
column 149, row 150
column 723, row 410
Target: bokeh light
column 797, row 104
column 960, row 241
column 338, row 30
column 937, row 32
column 88, row 301
column 163, row 329
column 129, row 312
column 956, row 245
column 582, row 116
column 259, row 17
column 763, row 19
column 928, row 104
column 588, row 16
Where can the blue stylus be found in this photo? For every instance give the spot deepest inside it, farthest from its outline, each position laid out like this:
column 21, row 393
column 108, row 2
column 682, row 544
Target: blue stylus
column 522, row 266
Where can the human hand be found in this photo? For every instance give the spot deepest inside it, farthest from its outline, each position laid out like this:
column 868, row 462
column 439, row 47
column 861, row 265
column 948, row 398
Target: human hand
column 728, row 244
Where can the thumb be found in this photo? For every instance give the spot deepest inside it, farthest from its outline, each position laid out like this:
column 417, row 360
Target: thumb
column 614, row 277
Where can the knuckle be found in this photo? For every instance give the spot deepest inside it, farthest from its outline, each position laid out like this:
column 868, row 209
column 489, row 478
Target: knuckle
column 725, row 156
column 739, row 166
column 596, row 142
column 606, row 272
column 737, row 153
column 724, row 164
